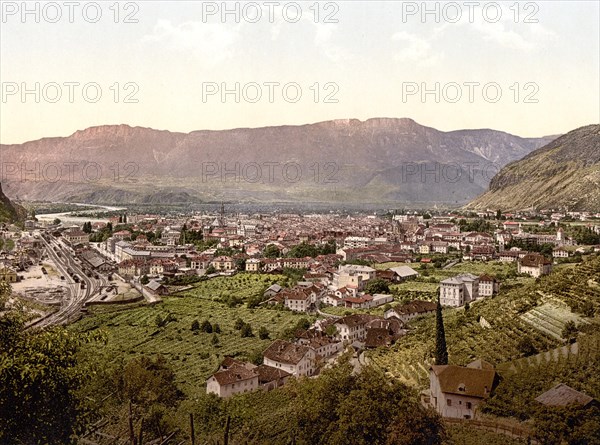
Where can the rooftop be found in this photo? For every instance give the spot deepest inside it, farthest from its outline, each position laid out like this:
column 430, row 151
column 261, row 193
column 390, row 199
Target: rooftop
column 563, row 395
column 469, row 381
column 285, row 352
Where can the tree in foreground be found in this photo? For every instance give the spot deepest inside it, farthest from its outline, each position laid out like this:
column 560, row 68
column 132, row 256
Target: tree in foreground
column 362, row 409
column 39, row 381
column 441, row 351
column 571, row 425
column 148, row 384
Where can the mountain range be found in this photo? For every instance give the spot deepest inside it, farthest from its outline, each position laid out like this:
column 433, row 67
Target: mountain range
column 564, row 174
column 380, row 160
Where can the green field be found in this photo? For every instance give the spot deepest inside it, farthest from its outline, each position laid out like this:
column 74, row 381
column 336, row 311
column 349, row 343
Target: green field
column 524, row 379
column 133, row 332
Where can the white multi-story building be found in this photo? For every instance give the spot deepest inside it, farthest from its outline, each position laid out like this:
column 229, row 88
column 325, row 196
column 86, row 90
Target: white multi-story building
column 488, row 286
column 348, row 281
column 253, row 265
column 366, row 272
column 353, row 327
column 354, row 242
column 458, row 290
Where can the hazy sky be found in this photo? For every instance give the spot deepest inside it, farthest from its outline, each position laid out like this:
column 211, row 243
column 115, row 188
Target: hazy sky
column 528, row 68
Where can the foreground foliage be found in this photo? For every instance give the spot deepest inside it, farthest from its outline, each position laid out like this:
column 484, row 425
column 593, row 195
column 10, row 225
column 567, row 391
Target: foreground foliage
column 338, row 407
column 39, row 381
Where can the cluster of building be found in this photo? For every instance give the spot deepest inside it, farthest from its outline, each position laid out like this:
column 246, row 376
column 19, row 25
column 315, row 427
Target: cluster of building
column 464, row 288
column 311, row 349
column 25, row 253
column 403, row 238
column 344, row 286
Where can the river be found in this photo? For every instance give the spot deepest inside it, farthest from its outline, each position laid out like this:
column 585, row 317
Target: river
column 66, row 218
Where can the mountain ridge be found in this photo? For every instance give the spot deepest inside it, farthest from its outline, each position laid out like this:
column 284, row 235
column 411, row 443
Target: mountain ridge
column 564, row 174
column 358, row 151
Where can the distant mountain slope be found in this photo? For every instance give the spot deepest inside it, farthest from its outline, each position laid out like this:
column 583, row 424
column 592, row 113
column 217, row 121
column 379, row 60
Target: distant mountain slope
column 378, row 160
column 564, row 173
column 10, row 212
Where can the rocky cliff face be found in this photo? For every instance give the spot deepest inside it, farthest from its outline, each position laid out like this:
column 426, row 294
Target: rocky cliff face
column 563, row 174
column 10, row 212
column 378, row 160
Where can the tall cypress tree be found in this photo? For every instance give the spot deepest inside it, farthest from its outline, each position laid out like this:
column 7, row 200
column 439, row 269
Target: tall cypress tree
column 441, row 352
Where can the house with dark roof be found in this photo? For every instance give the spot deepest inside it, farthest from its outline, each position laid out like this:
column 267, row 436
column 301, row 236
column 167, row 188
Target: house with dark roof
column 94, row 260
column 157, row 288
column 234, row 379
column 410, row 310
column 299, row 299
column 270, row 378
column 388, row 275
column 297, row 360
column 535, row 265
column 457, row 391
column 378, row 337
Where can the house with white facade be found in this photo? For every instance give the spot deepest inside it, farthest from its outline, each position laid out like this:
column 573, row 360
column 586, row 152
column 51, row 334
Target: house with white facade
column 559, row 252
column 534, row 264
column 297, row 360
column 367, row 273
column 354, row 242
column 457, row 391
column 236, row 378
column 344, row 280
column 488, row 286
column 253, row 265
column 222, row 263
column 353, row 327
column 299, row 299
column 458, row 290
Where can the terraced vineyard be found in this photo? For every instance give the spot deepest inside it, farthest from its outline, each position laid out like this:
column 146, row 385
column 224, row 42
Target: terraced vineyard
column 467, row 340
column 193, row 356
column 576, row 286
column 524, row 379
column 550, row 318
column 544, row 358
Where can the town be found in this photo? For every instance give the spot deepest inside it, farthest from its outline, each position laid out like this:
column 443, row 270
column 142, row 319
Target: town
column 360, row 282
